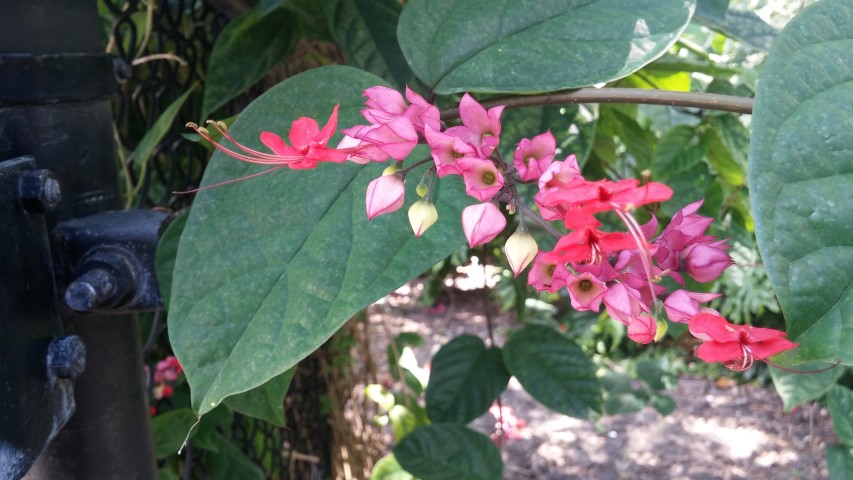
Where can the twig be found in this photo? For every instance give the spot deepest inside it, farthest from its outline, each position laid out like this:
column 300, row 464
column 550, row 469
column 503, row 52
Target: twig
column 709, row 101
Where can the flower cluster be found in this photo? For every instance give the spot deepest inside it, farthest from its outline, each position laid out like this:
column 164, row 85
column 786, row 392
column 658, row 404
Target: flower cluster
column 507, row 425
column 165, row 376
column 622, row 270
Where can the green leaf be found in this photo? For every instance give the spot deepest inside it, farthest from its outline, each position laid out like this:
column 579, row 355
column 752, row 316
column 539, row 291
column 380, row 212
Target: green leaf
column 170, row 430
column 265, row 7
column 722, row 160
column 164, row 474
column 164, row 259
column 465, row 379
column 797, row 388
column 554, row 370
column 366, row 32
column 523, row 47
column 801, row 176
column 839, row 401
column 403, row 421
column 380, row 395
column 266, row 401
column 269, row 268
column 244, row 52
column 650, row 372
column 671, row 146
column 714, row 10
column 449, row 451
column 664, row 404
column 839, row 459
column 744, row 26
column 387, row 468
column 230, row 463
column 157, row 131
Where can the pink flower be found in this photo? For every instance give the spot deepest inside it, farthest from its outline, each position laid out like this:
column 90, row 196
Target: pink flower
column 685, row 228
column 736, row 346
column 533, row 157
column 384, row 195
column 585, row 291
column 422, row 113
column 547, row 276
column 682, row 305
column 706, row 262
column 520, row 249
column 482, row 178
column 446, row 150
column 560, row 174
column 623, row 303
column 395, row 139
column 642, row 329
column 486, row 125
column 482, row 223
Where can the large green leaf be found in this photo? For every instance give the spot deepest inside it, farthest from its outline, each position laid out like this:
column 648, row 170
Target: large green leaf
column 801, row 176
column 264, row 402
column 231, row 463
column 553, row 370
column 839, row 400
column 535, row 45
column 164, row 260
column 366, row 31
column 269, row 268
column 465, row 379
column 387, row 468
column 170, row 430
column 449, row 451
column 244, row 52
column 797, row 388
column 839, row 459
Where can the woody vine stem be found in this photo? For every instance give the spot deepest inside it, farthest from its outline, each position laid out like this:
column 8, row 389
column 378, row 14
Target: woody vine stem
column 708, row 101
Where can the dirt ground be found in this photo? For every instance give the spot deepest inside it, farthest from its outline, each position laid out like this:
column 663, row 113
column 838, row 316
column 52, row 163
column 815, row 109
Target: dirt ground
column 740, row 432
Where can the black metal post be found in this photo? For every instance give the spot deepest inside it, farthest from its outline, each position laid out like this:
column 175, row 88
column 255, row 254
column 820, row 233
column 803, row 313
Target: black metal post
column 55, row 84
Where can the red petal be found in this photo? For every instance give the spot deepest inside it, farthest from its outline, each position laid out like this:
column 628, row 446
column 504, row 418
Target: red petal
column 303, row 131
column 330, row 127
column 720, row 351
column 768, row 348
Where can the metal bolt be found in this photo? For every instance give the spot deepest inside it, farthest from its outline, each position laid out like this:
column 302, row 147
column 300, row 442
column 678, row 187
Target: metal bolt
column 39, row 190
column 66, row 357
column 90, row 290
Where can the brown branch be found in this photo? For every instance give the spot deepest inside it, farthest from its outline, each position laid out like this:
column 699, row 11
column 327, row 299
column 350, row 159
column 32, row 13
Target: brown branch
column 708, row 101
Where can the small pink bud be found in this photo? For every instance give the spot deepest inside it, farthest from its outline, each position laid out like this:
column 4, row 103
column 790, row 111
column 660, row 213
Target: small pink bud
column 482, row 223
column 642, row 329
column 520, row 249
column 384, row 195
column 422, row 214
column 705, row 262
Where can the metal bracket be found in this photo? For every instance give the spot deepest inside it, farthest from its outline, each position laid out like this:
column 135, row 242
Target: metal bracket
column 37, row 364
column 110, row 256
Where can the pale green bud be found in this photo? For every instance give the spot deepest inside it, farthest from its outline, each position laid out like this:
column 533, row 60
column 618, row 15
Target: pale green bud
column 520, row 249
column 422, row 214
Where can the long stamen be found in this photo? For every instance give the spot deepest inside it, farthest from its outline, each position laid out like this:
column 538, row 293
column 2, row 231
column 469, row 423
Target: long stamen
column 233, row 180
column 643, row 246
column 239, row 156
column 261, row 155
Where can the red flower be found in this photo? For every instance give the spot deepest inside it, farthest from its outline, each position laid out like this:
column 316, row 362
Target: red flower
column 736, row 346
column 308, row 145
column 589, row 245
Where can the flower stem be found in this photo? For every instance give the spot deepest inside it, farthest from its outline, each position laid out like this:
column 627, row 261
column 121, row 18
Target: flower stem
column 531, row 215
column 709, row 101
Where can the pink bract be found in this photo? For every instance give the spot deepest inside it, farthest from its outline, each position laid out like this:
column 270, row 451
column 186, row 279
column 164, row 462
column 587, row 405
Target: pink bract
column 482, row 223
column 384, row 195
